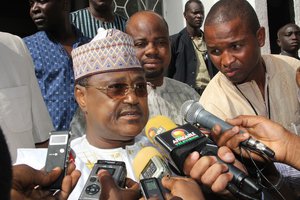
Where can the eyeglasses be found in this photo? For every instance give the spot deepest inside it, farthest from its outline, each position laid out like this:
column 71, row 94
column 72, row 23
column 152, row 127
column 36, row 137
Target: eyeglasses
column 120, row 90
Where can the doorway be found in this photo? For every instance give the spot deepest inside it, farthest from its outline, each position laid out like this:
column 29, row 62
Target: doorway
column 280, row 12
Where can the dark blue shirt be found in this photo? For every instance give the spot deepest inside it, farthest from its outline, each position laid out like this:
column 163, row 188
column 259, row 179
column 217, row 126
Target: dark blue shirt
column 54, row 71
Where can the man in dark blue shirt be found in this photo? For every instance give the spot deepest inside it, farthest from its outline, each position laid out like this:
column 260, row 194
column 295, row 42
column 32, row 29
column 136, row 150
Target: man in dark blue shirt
column 50, row 49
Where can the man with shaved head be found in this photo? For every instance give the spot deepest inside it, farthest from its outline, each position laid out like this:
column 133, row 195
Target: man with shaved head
column 248, row 83
column 151, row 40
column 288, row 39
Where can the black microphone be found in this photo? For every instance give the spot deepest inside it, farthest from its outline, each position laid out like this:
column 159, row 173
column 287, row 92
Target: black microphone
column 193, row 112
column 183, row 140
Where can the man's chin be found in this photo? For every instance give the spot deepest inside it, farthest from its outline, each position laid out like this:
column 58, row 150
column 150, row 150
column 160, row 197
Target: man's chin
column 41, row 27
column 153, row 74
column 131, row 132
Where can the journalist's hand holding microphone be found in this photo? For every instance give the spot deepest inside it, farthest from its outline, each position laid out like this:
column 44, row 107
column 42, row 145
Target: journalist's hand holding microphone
column 280, row 140
column 29, row 183
column 179, row 187
column 208, row 171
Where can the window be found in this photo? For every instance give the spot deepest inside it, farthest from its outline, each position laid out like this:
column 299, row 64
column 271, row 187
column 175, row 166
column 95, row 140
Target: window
column 128, row 7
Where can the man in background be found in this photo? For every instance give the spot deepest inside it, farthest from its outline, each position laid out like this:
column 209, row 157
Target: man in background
column 288, row 39
column 50, row 49
column 190, row 63
column 248, row 82
column 151, row 40
column 100, row 13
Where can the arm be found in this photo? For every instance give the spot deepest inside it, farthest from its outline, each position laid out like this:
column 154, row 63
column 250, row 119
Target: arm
column 41, row 121
column 172, row 66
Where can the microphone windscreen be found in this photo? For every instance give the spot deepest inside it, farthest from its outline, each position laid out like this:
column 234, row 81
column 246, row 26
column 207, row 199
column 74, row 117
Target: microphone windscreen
column 142, row 159
column 157, row 125
column 189, row 110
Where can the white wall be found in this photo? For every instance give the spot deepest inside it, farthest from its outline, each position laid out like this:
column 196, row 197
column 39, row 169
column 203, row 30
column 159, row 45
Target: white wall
column 173, row 13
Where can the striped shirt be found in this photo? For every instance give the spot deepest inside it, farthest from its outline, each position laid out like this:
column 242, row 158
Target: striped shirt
column 89, row 25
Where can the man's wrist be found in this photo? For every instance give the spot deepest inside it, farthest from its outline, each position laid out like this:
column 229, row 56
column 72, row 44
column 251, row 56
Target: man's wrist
column 292, row 151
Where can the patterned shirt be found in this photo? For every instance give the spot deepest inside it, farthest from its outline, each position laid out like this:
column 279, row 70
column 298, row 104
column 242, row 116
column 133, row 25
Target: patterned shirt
column 54, row 71
column 89, row 25
column 167, row 99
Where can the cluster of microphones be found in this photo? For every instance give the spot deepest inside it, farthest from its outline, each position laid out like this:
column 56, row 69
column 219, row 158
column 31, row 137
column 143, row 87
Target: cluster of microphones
column 171, row 146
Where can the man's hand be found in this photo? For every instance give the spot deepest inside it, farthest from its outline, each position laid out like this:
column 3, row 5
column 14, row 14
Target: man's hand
column 185, row 188
column 268, row 132
column 208, row 171
column 110, row 191
column 30, row 184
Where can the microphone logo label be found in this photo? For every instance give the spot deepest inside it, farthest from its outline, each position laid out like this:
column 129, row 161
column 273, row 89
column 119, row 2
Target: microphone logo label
column 181, row 136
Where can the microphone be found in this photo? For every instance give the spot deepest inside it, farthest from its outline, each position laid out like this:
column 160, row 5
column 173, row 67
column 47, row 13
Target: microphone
column 149, row 163
column 193, row 112
column 179, row 142
column 155, row 127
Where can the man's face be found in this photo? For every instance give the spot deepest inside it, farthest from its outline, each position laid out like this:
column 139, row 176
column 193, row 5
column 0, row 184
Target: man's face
column 289, row 39
column 119, row 119
column 46, row 14
column 151, row 41
column 234, row 49
column 194, row 15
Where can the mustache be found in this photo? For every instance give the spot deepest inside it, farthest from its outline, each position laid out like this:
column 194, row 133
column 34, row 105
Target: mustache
column 131, row 109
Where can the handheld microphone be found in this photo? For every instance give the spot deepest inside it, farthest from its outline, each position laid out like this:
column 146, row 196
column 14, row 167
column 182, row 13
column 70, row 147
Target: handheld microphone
column 158, row 125
column 149, row 163
column 179, row 142
column 193, row 112
column 155, row 127
column 149, row 166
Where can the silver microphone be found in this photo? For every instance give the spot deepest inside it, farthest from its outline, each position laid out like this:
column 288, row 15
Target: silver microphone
column 193, row 112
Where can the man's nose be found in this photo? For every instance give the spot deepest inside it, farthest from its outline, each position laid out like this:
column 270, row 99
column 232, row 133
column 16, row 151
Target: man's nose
column 151, row 49
column 227, row 59
column 130, row 96
column 34, row 7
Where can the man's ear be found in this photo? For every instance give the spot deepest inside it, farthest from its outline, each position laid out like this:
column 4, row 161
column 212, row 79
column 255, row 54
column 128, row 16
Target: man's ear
column 278, row 42
column 261, row 36
column 81, row 96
